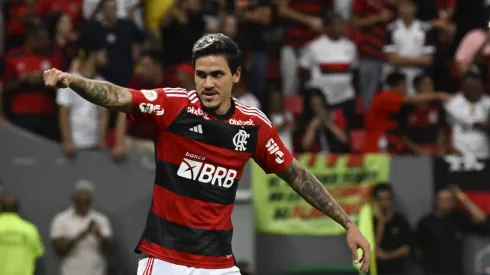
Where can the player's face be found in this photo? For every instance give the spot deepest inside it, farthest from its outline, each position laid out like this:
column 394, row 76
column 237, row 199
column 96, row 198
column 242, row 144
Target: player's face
column 214, row 81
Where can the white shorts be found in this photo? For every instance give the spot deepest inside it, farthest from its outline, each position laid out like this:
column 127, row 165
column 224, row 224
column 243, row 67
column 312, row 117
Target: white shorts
column 152, row 266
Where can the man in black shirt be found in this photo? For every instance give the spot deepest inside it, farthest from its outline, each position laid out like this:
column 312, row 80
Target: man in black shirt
column 392, row 233
column 254, row 19
column 439, row 235
column 122, row 40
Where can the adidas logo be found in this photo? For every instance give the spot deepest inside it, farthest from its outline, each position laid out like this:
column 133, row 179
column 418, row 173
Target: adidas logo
column 197, row 129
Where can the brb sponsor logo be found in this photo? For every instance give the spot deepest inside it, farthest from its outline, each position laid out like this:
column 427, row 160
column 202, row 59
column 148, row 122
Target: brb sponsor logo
column 241, row 122
column 197, row 112
column 194, row 167
column 273, row 149
column 148, row 108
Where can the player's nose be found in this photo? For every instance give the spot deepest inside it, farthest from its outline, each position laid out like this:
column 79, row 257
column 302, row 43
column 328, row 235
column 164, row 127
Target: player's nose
column 208, row 83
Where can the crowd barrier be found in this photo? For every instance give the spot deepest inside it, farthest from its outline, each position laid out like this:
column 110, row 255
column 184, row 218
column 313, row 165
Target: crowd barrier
column 38, row 173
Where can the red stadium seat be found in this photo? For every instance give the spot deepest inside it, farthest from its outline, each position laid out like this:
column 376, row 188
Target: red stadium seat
column 339, row 118
column 274, row 69
column 360, row 105
column 357, row 140
column 294, row 104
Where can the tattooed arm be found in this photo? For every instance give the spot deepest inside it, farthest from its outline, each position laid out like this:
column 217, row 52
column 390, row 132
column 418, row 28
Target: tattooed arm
column 313, row 191
column 101, row 93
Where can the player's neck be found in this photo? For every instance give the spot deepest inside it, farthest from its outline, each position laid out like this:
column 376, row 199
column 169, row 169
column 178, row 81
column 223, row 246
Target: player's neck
column 223, row 108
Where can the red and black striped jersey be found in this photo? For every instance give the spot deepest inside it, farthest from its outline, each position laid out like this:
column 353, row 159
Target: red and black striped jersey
column 200, row 158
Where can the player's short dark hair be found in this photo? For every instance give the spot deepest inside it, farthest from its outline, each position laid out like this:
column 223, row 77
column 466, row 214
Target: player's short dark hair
column 217, row 44
column 384, row 186
column 395, row 79
column 419, row 78
column 330, row 17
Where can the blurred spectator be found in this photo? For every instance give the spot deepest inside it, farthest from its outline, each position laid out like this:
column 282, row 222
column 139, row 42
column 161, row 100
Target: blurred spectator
column 468, row 113
column 20, row 243
column 32, row 105
column 329, row 62
column 185, row 76
column 64, row 39
column 126, row 9
column 392, row 231
column 382, row 132
column 254, row 19
column 242, row 93
column 423, row 125
column 439, row 235
column 185, row 22
column 73, row 8
column 21, row 15
column 371, row 17
column 122, row 41
column 281, row 118
column 409, row 45
column 317, row 129
column 473, row 53
column 83, row 125
column 303, row 23
column 469, row 15
column 140, row 136
column 81, row 235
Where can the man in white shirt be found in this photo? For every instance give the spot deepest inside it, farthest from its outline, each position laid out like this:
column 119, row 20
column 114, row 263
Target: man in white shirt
column 81, row 235
column 468, row 113
column 329, row 62
column 83, row 125
column 409, row 46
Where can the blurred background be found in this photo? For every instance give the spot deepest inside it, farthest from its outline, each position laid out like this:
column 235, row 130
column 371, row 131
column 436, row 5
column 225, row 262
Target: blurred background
column 351, row 86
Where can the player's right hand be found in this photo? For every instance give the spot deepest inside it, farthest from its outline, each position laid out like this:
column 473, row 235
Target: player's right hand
column 54, row 78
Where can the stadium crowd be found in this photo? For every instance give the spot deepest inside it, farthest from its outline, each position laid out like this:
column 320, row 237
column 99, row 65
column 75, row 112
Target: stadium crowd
column 334, row 76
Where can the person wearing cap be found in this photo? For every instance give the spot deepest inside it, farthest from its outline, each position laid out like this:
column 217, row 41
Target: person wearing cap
column 81, row 236
column 20, row 243
column 329, row 62
column 83, row 124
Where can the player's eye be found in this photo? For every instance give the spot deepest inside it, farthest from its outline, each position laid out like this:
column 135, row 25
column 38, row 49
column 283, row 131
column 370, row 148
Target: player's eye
column 217, row 74
column 201, row 74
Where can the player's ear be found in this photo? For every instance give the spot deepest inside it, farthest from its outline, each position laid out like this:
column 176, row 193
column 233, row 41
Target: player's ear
column 236, row 75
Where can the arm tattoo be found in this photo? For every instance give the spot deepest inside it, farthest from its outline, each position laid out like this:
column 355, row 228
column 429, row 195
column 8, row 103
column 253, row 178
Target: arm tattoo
column 313, row 191
column 103, row 93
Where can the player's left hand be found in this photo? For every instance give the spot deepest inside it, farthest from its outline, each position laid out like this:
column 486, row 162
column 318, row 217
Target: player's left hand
column 356, row 240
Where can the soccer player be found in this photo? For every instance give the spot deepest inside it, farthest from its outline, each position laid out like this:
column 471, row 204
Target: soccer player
column 204, row 139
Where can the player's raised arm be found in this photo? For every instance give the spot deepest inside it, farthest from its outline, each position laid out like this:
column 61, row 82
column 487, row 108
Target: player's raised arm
column 101, row 93
column 313, row 191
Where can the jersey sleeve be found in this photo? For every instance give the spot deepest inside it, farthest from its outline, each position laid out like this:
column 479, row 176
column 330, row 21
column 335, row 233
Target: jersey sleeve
column 271, row 154
column 149, row 106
